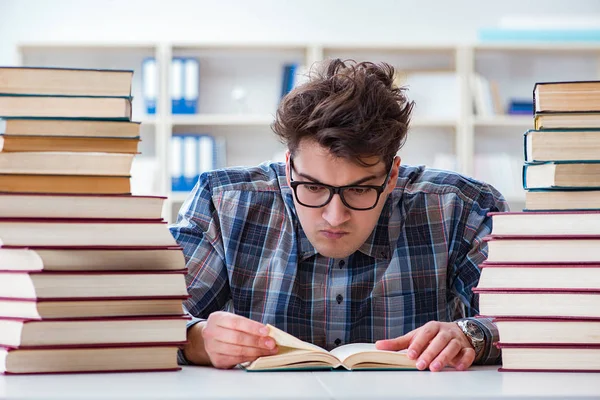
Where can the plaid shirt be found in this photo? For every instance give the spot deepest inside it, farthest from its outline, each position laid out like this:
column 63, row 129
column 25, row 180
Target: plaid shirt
column 246, row 253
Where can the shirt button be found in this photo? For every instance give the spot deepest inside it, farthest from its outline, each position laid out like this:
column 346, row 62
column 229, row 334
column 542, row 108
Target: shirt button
column 337, row 342
column 339, row 298
column 342, row 263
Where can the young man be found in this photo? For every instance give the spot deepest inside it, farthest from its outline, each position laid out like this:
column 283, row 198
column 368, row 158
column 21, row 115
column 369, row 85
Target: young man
column 340, row 243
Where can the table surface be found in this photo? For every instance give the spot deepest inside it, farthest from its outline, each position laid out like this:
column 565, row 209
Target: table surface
column 209, row 383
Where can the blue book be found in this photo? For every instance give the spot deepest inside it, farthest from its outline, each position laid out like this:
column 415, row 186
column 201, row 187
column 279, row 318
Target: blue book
column 149, row 84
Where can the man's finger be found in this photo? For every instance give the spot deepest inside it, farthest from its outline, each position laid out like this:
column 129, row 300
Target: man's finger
column 433, row 349
column 463, row 359
column 240, row 338
column 239, row 323
column 399, row 343
column 423, row 336
column 444, row 358
column 233, row 350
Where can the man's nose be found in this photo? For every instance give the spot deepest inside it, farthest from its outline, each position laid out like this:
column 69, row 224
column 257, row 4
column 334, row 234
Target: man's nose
column 336, row 213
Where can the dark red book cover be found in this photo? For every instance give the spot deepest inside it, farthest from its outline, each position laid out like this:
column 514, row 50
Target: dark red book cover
column 491, row 214
column 585, row 264
column 537, row 290
column 540, row 237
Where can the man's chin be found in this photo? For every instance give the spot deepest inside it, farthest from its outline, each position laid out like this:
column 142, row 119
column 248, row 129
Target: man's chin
column 335, row 252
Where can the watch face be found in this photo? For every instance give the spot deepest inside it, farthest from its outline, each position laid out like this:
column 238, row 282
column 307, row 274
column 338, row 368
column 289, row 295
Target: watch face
column 474, row 331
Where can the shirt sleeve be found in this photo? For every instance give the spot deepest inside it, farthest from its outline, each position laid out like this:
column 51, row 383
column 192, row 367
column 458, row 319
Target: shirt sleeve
column 198, row 232
column 471, row 251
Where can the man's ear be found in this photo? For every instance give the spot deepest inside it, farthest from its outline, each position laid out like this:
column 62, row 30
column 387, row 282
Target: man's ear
column 287, row 167
column 394, row 175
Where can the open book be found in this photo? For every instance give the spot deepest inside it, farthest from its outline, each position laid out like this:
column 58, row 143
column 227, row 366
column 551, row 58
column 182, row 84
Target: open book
column 295, row 354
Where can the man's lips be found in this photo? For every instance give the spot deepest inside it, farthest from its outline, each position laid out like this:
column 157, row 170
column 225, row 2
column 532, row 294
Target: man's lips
column 331, row 234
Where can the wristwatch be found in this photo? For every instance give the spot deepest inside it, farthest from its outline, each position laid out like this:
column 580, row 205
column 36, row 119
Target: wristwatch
column 475, row 334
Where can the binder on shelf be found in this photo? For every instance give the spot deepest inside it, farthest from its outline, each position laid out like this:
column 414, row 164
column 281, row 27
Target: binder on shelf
column 149, row 84
column 176, row 163
column 190, row 81
column 184, row 85
column 176, row 85
column 288, row 78
column 192, row 154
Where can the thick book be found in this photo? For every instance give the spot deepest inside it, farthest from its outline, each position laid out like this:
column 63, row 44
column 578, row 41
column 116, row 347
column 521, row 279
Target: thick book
column 65, row 81
column 545, row 223
column 77, row 107
column 69, row 127
column 130, row 358
column 295, row 354
column 567, row 121
column 543, row 249
column 562, row 145
column 66, row 163
column 30, row 205
column 550, row 357
column 89, row 144
column 563, row 330
column 576, row 96
column 31, row 232
column 562, row 175
column 539, row 302
column 71, row 184
column 562, row 200
column 15, row 332
column 92, row 284
column 91, row 308
column 91, row 258
column 553, row 276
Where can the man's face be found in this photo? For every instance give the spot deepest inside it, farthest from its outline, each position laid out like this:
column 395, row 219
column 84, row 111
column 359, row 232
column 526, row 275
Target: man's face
column 335, row 230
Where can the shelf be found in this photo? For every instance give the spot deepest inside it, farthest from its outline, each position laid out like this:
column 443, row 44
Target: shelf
column 504, row 121
column 542, row 47
column 222, row 119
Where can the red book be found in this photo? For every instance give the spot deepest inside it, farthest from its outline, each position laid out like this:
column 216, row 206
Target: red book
column 543, row 223
column 539, row 276
column 521, row 302
column 541, row 330
column 87, row 206
column 131, row 358
column 88, row 308
column 92, row 284
column 543, row 249
column 69, row 332
column 29, row 232
column 550, row 357
column 91, row 258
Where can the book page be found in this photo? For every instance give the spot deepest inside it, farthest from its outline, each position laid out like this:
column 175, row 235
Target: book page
column 347, row 350
column 284, row 339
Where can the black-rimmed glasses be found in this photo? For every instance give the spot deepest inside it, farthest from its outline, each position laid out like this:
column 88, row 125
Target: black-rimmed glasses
column 355, row 197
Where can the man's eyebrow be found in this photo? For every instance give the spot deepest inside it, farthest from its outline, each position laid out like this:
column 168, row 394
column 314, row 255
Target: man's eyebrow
column 358, row 182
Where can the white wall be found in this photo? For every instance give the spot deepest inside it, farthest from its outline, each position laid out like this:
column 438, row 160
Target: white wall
column 366, row 21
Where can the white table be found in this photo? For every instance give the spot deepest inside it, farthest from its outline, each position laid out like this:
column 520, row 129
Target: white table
column 208, row 383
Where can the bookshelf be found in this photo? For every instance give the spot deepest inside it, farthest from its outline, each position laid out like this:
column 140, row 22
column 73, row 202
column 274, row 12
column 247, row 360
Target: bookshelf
column 445, row 131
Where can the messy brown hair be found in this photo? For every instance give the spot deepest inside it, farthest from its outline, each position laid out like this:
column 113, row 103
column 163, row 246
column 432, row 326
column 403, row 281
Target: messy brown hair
column 352, row 109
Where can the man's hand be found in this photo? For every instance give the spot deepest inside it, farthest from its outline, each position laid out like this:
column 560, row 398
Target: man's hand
column 225, row 340
column 435, row 345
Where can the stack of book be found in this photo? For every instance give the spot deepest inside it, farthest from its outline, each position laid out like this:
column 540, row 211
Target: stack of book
column 541, row 281
column 90, row 277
